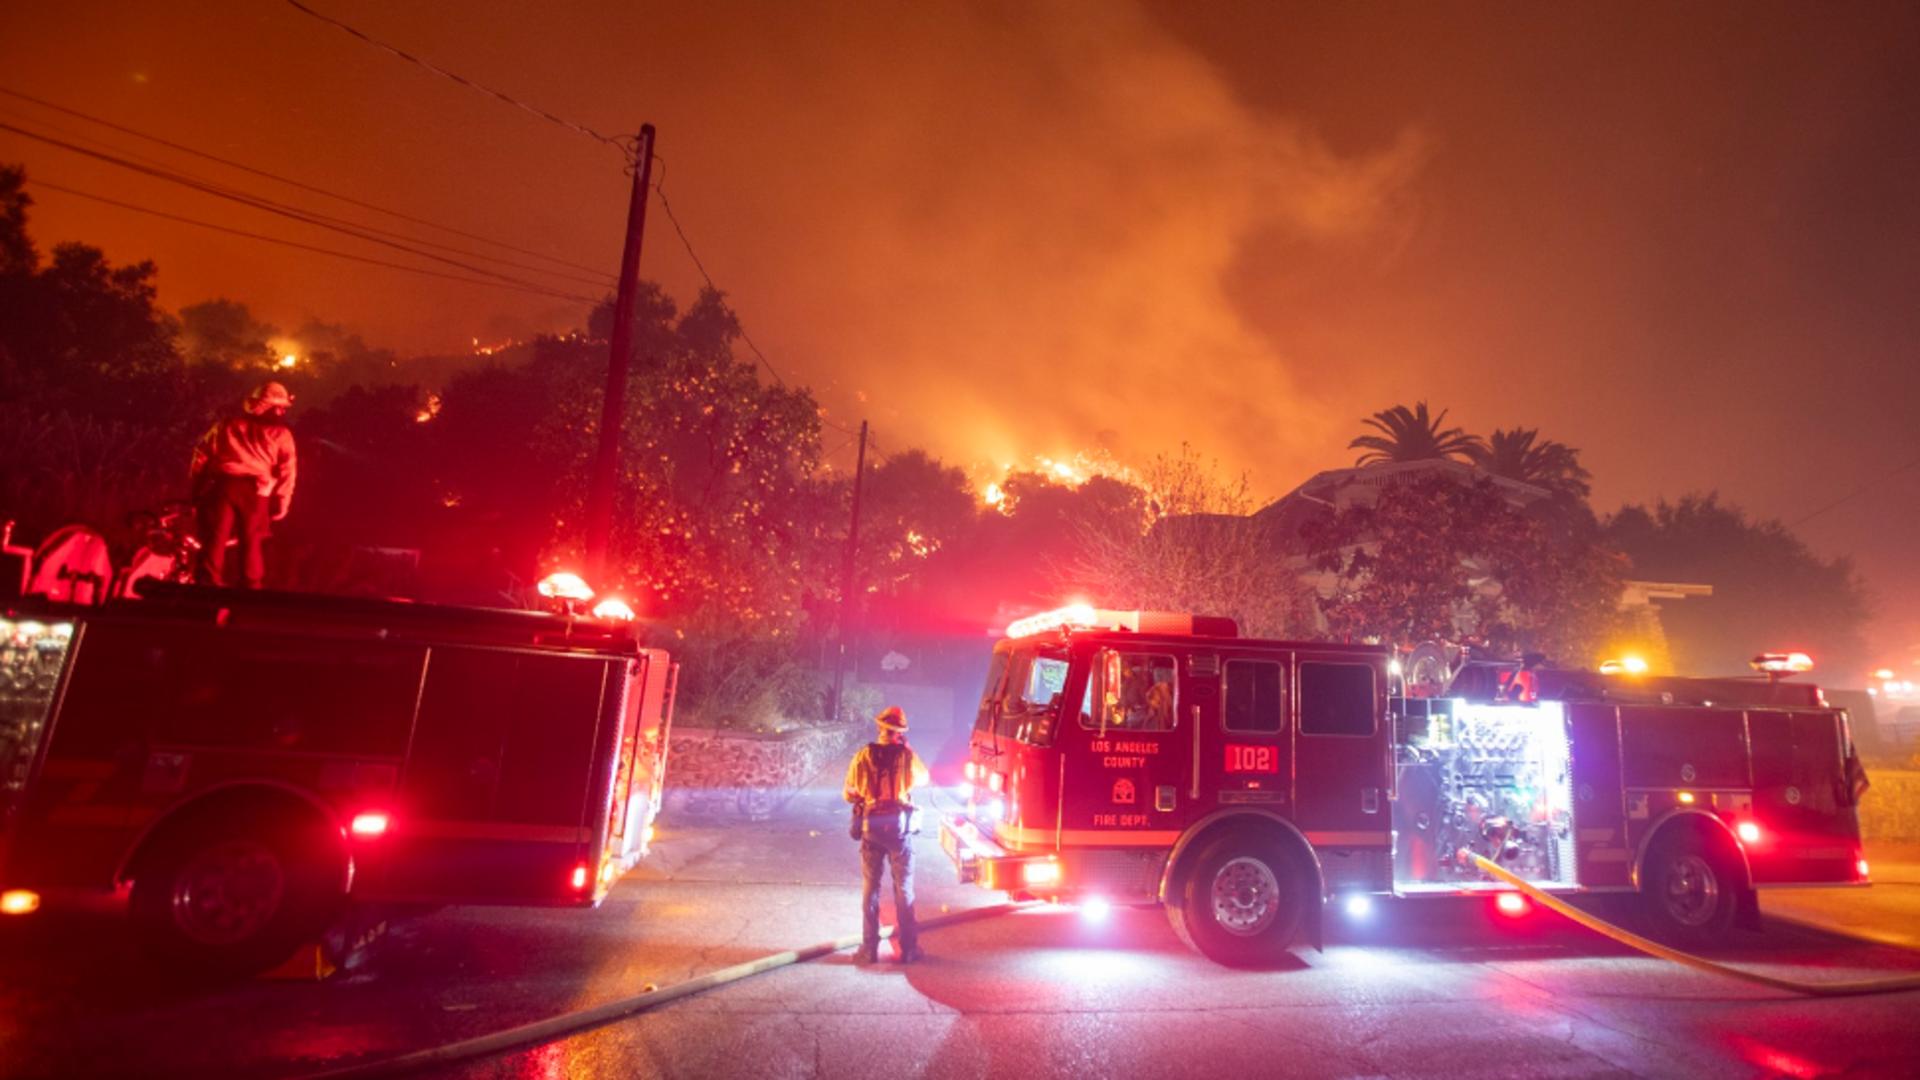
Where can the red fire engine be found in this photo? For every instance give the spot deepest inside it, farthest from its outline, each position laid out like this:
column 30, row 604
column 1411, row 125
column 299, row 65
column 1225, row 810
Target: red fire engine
column 1138, row 758
column 244, row 764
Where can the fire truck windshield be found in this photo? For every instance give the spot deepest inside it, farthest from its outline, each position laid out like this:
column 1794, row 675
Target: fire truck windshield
column 1029, row 696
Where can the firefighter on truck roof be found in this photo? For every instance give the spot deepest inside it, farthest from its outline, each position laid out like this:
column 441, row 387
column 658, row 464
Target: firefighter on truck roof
column 880, row 782
column 242, row 476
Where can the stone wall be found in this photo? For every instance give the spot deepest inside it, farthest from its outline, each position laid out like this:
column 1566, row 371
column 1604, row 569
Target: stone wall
column 1890, row 810
column 715, row 771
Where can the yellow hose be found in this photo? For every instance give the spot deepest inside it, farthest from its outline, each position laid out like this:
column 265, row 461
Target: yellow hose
column 1654, row 948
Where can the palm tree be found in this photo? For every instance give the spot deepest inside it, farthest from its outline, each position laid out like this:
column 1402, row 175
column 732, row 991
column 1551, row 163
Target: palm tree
column 1412, row 435
column 1516, row 455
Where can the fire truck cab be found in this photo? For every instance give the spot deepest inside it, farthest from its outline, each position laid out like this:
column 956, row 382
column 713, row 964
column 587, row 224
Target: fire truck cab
column 1143, row 758
column 241, row 765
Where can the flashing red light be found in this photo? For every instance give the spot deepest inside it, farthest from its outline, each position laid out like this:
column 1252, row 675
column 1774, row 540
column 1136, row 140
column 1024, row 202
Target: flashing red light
column 19, row 902
column 565, row 585
column 1511, row 904
column 370, row 824
column 1861, row 866
column 1748, row 832
column 613, row 608
column 579, row 878
column 1779, row 663
column 1081, row 615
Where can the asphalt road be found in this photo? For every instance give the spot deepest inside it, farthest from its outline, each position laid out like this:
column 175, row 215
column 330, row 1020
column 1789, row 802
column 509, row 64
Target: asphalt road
column 1417, row 991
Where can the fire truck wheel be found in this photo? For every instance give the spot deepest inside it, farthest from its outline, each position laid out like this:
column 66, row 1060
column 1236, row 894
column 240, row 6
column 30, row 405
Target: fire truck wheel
column 1689, row 890
column 1242, row 902
column 229, row 898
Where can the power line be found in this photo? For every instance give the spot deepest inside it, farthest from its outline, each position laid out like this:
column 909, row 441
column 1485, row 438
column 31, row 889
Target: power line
column 625, row 146
column 357, row 229
column 295, row 243
column 1855, row 493
column 659, row 189
column 270, row 206
column 301, row 184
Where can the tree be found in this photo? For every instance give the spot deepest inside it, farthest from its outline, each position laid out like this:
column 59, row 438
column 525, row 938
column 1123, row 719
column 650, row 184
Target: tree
column 716, row 467
column 1437, row 559
column 913, row 508
column 17, row 254
column 1517, row 454
column 1193, row 547
column 224, row 333
column 1411, row 435
column 1770, row 591
column 95, row 408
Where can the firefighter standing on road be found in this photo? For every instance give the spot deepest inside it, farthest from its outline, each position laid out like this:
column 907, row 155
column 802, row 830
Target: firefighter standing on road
column 880, row 782
column 242, row 477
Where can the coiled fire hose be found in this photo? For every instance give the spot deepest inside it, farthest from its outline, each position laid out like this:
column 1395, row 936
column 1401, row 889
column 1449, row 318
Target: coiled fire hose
column 556, row 1027
column 1654, row 948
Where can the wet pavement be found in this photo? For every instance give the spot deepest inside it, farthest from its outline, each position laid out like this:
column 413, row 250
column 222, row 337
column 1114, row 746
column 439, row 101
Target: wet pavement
column 1418, row 990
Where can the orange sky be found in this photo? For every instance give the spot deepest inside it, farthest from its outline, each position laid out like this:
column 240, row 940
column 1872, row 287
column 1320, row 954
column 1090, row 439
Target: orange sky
column 1680, row 237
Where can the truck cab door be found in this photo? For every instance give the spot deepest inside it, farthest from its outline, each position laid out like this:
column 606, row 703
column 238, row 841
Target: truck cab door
column 1126, row 765
column 1341, row 762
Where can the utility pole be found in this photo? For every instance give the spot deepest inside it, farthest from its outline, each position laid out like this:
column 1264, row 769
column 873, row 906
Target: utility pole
column 606, row 465
column 846, row 575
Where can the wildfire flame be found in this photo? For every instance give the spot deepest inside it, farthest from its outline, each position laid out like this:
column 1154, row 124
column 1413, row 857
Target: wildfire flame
column 1069, row 472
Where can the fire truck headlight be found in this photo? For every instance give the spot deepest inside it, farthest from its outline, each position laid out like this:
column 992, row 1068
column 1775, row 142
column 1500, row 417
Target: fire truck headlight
column 1095, row 909
column 1040, row 873
column 965, row 790
column 579, row 878
column 1748, row 832
column 370, row 824
column 1358, row 907
column 993, row 809
column 19, row 902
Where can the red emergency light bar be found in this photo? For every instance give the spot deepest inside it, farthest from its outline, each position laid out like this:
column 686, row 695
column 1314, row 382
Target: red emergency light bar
column 1778, row 662
column 1085, row 617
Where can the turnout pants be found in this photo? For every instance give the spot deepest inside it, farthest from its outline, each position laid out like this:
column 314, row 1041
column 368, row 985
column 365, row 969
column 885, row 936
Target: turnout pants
column 874, row 853
column 233, row 505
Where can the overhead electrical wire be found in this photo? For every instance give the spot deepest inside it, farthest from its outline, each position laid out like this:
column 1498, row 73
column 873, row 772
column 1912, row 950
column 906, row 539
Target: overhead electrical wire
column 659, row 189
column 268, row 205
column 38, row 184
column 602, row 280
column 626, row 146
column 301, row 184
column 1855, row 493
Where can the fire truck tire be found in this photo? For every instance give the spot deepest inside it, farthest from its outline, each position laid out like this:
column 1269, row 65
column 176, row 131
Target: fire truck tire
column 1690, row 890
column 1242, row 902
column 233, row 896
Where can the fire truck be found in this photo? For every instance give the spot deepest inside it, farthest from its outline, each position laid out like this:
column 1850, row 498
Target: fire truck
column 1144, row 758
column 239, row 766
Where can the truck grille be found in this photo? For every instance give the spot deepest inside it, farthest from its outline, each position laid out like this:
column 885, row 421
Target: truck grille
column 31, row 656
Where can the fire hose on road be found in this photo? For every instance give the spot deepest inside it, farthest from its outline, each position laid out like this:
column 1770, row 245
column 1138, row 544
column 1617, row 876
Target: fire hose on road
column 1700, row 963
column 556, row 1027
column 565, row 1024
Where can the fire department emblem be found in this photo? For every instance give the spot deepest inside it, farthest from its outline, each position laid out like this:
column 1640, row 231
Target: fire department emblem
column 1793, row 796
column 1686, row 772
column 1123, row 791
